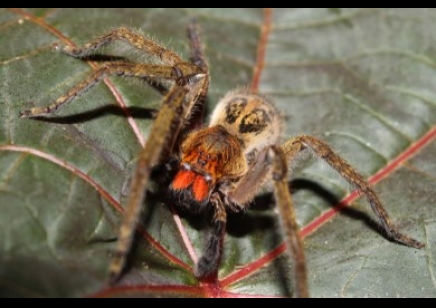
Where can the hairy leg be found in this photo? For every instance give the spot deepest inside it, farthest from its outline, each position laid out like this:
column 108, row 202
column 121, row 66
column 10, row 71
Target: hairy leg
column 164, row 131
column 198, row 59
column 180, row 73
column 131, row 38
column 323, row 151
column 289, row 220
column 271, row 163
column 209, row 261
column 173, row 67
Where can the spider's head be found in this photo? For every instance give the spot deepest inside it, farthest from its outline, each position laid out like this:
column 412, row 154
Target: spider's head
column 209, row 156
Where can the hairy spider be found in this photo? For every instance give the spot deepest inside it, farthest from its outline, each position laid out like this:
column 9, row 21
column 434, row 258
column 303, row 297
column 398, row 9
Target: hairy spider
column 221, row 166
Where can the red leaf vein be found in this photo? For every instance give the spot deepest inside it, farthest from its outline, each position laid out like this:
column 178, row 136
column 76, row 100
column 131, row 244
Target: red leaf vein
column 40, row 22
column 155, row 244
column 328, row 215
column 261, row 49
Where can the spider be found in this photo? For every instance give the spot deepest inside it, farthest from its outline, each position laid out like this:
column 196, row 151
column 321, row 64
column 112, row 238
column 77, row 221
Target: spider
column 221, row 166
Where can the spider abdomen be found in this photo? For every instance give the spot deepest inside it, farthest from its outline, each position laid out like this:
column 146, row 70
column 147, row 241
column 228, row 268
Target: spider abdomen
column 249, row 117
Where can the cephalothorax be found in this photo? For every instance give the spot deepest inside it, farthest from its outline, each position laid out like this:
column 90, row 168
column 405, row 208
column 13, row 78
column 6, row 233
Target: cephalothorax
column 242, row 125
column 221, row 166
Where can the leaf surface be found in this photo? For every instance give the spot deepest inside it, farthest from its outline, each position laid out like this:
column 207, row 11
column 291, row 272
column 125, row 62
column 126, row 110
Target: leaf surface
column 360, row 79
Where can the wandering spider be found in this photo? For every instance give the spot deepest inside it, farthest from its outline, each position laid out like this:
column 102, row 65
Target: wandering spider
column 221, row 166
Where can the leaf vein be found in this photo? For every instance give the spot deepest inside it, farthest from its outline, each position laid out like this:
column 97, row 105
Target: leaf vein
column 378, row 116
column 324, row 22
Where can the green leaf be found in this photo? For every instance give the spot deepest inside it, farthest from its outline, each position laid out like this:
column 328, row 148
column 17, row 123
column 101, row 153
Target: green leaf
column 361, row 79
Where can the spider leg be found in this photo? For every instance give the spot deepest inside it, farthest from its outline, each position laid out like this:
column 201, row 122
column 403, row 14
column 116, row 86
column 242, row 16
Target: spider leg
column 323, row 151
column 128, row 36
column 247, row 187
column 271, row 163
column 208, row 263
column 180, row 73
column 288, row 218
column 197, row 55
column 198, row 59
column 175, row 108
